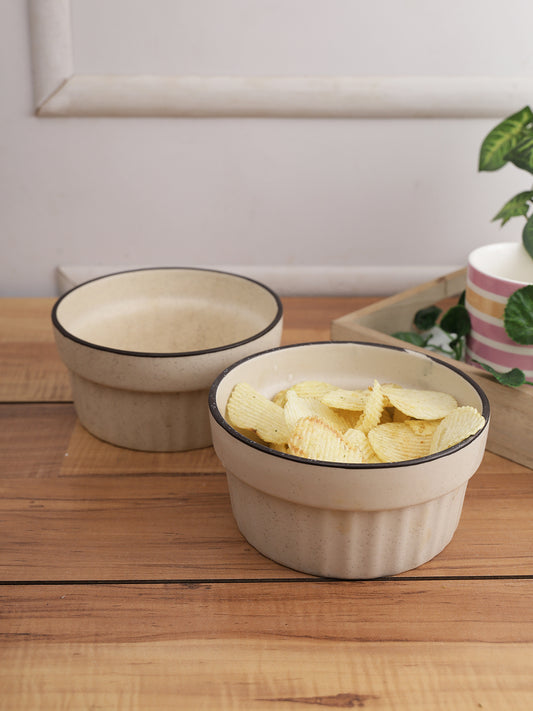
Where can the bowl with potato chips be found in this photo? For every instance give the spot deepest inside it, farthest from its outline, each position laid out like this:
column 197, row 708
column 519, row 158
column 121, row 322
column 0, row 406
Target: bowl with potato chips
column 143, row 347
column 347, row 460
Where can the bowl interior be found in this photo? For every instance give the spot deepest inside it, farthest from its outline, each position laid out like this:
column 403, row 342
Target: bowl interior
column 347, row 365
column 167, row 310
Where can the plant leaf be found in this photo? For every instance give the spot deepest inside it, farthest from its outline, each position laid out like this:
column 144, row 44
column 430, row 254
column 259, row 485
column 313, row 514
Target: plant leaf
column 409, row 337
column 456, row 320
column 527, row 236
column 502, row 139
column 517, row 206
column 518, row 315
column 513, row 378
column 427, row 318
column 522, row 153
column 458, row 347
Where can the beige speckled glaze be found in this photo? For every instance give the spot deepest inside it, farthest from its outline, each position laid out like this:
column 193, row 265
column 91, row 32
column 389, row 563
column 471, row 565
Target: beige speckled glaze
column 144, row 346
column 353, row 520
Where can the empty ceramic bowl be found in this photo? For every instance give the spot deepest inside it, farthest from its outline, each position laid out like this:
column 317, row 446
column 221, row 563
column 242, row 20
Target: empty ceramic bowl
column 144, row 346
column 345, row 520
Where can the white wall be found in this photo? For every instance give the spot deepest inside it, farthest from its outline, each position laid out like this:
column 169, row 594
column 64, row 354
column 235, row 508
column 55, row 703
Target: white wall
column 328, row 201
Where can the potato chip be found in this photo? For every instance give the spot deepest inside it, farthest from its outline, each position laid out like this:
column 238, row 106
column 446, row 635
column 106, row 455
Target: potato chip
column 399, row 416
column 420, row 404
column 281, row 447
column 280, row 398
column 297, row 407
column 373, row 409
column 351, row 417
column 454, row 428
column 312, row 388
column 346, row 399
column 357, row 438
column 422, row 427
column 313, row 438
column 250, row 410
column 386, row 415
column 383, row 423
column 396, row 442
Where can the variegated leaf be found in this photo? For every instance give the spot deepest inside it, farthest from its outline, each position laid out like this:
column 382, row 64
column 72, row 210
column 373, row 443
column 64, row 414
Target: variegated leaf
column 522, row 154
column 517, row 206
column 502, row 139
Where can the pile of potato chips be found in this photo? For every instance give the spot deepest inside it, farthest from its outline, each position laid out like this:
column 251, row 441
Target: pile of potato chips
column 382, row 423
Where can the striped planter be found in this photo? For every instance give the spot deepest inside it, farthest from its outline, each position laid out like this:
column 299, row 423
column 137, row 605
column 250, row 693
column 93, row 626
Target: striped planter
column 489, row 284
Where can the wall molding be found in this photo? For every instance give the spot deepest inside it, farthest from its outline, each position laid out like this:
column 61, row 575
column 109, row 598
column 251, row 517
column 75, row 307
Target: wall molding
column 59, row 91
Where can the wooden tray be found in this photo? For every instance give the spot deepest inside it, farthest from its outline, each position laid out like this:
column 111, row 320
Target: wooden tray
column 511, row 431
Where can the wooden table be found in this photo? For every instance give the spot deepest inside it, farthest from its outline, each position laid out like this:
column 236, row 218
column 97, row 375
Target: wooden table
column 126, row 585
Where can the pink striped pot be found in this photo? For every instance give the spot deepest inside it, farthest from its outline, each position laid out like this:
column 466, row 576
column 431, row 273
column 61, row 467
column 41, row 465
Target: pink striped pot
column 494, row 272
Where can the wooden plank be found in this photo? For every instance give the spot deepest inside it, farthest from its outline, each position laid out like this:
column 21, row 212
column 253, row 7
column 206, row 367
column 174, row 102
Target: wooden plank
column 32, row 372
column 29, row 362
column 26, row 320
column 60, row 446
column 265, row 674
column 87, row 455
column 123, row 528
column 34, row 439
column 492, row 611
column 309, row 319
column 224, row 627
column 75, row 508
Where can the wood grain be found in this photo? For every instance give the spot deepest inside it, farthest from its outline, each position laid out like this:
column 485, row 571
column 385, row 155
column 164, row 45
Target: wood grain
column 125, row 584
column 75, row 508
column 266, row 675
column 370, row 611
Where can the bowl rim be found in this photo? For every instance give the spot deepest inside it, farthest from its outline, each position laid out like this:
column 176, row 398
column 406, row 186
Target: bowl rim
column 222, row 422
column 170, row 354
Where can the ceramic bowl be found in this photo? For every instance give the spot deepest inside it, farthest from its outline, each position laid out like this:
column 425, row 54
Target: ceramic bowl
column 144, row 346
column 345, row 520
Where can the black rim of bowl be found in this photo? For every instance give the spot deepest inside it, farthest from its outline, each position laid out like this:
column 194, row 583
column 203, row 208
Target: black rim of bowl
column 57, row 324
column 219, row 418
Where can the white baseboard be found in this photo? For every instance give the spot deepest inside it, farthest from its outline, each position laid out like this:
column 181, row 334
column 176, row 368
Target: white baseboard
column 295, row 281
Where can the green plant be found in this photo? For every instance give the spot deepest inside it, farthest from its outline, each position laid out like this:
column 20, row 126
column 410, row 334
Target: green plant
column 511, row 141
column 446, row 332
column 438, row 331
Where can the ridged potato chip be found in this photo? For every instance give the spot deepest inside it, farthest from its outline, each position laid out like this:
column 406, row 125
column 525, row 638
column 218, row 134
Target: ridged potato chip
column 422, row 427
column 250, row 410
column 312, row 388
column 396, row 442
column 420, row 404
column 280, row 398
column 313, row 438
column 386, row 415
column 399, row 416
column 455, row 427
column 373, row 409
column 297, row 407
column 357, row 438
column 351, row 417
column 316, row 420
column 346, row 399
